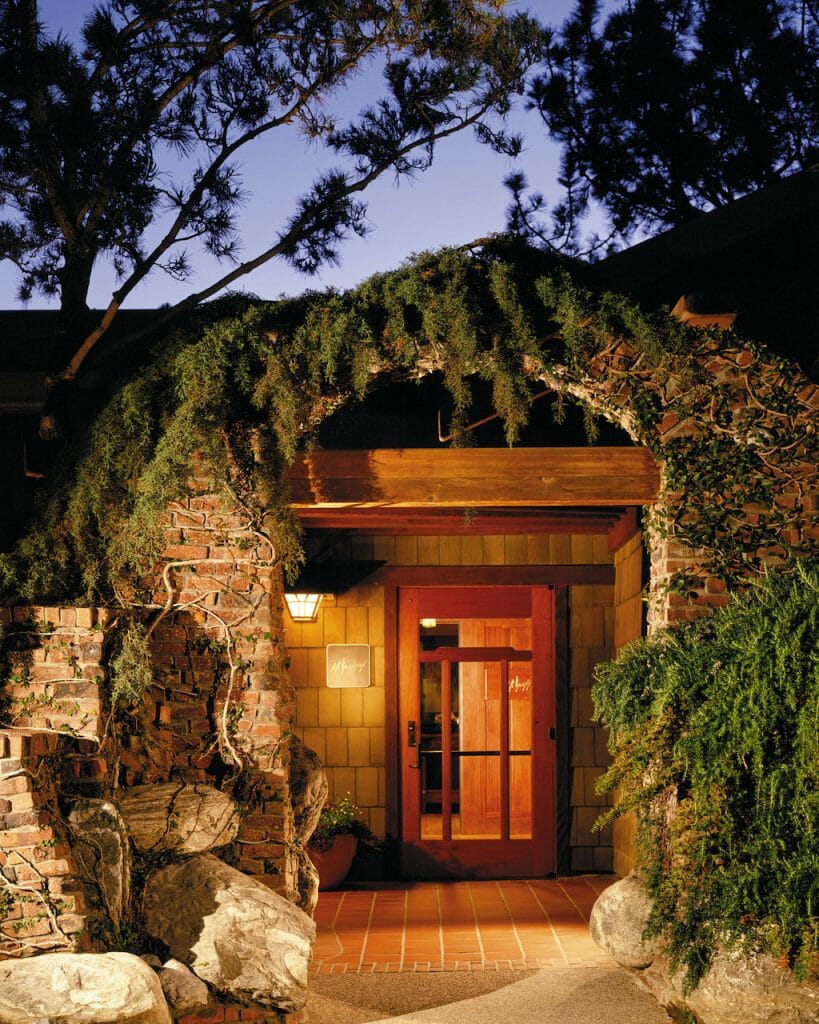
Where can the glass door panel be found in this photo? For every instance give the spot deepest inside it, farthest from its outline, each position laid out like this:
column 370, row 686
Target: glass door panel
column 484, row 759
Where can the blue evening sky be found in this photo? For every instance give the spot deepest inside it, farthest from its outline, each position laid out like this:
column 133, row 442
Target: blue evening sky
column 458, row 199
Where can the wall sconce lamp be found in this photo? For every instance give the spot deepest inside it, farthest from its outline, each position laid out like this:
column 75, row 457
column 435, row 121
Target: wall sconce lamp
column 303, row 599
column 303, row 607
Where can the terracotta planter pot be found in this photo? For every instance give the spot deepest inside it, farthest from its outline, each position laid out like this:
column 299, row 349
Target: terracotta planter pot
column 334, row 863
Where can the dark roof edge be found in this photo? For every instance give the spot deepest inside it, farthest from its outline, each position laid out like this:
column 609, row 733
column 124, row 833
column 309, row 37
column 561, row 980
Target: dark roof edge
column 738, row 223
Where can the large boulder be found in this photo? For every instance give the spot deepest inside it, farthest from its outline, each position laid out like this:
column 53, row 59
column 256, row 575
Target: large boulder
column 81, row 988
column 308, row 794
column 738, row 988
column 618, row 920
column 188, row 818
column 99, row 841
column 240, row 937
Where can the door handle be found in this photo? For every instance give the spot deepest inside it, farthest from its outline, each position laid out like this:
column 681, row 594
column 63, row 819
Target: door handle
column 412, row 741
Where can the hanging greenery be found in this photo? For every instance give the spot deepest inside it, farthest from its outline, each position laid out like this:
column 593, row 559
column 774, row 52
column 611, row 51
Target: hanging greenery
column 131, row 666
column 713, row 728
column 237, row 391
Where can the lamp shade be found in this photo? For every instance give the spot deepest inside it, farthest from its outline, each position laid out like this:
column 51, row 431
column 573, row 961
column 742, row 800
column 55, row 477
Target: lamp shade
column 303, row 607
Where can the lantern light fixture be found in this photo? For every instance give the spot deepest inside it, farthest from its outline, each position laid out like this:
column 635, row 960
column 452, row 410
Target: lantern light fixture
column 303, row 607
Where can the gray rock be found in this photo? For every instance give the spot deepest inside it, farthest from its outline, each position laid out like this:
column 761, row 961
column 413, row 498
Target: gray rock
column 308, row 788
column 240, row 937
column 81, row 988
column 308, row 793
column 308, row 883
column 190, row 818
column 99, row 840
column 183, row 990
column 618, row 920
column 738, row 989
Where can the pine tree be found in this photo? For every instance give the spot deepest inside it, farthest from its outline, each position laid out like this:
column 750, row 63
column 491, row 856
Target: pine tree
column 665, row 108
column 91, row 138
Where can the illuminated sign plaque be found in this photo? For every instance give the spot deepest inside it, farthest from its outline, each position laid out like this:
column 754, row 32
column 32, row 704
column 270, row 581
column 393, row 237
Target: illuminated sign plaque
column 348, row 665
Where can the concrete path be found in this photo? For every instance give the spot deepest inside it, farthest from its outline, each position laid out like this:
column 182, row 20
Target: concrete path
column 575, row 995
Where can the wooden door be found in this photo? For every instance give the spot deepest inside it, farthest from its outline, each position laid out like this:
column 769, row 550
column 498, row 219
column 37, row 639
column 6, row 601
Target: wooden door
column 477, row 722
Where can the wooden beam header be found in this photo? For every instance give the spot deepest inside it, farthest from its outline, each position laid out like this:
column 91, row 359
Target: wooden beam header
column 474, row 478
column 422, row 522
column 494, row 575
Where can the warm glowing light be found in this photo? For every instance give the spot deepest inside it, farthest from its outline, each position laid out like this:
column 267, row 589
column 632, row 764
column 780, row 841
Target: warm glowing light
column 303, row 607
column 429, row 623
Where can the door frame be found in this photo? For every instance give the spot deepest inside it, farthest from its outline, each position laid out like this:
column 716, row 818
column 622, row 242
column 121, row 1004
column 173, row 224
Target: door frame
column 561, row 577
column 505, row 855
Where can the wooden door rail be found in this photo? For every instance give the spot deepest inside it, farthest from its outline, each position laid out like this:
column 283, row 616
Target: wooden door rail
column 475, row 654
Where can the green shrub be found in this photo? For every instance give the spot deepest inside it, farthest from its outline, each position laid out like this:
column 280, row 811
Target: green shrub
column 715, row 738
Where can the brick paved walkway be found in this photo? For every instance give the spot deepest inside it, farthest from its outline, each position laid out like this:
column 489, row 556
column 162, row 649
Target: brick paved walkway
column 458, row 926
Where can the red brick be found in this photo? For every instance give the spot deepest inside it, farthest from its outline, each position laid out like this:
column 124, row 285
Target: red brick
column 85, row 617
column 21, row 801
column 49, row 673
column 25, row 837
column 19, row 784
column 51, row 868
column 18, row 745
column 272, row 731
column 21, row 819
column 34, row 908
column 60, row 885
column 185, row 552
column 35, row 928
column 71, row 923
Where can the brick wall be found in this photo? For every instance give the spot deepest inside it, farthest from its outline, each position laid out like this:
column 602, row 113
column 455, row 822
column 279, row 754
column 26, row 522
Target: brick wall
column 729, row 393
column 42, row 906
column 346, row 727
column 221, row 699
column 55, row 668
column 55, row 709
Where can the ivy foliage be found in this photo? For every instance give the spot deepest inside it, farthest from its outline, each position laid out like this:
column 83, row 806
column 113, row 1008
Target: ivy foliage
column 235, row 393
column 717, row 722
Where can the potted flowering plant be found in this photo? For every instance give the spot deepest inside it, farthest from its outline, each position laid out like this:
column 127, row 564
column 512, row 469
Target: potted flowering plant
column 335, row 841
